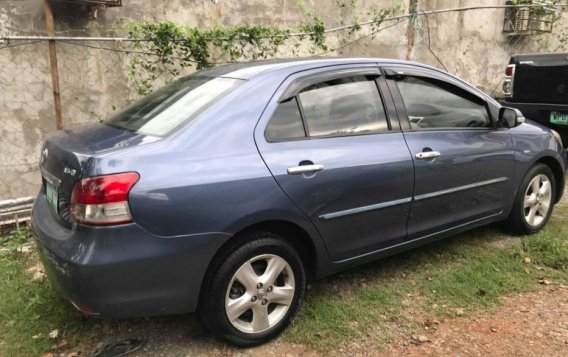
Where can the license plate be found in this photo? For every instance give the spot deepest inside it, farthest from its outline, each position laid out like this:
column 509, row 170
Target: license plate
column 51, row 194
column 559, row 118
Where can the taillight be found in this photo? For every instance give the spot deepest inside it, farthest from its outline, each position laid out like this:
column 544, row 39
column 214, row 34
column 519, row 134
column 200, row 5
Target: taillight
column 508, row 82
column 103, row 200
column 510, row 70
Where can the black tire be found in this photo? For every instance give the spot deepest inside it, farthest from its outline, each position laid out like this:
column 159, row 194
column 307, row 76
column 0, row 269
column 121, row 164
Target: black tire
column 216, row 283
column 516, row 222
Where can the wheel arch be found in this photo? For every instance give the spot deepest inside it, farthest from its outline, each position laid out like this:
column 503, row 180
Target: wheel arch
column 558, row 173
column 289, row 231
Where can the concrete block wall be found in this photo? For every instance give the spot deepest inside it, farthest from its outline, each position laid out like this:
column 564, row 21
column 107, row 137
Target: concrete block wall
column 94, row 82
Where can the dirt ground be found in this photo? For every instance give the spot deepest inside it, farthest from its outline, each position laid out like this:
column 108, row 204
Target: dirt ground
column 528, row 324
column 531, row 324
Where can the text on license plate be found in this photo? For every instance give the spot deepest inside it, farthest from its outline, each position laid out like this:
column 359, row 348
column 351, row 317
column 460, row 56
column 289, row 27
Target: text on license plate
column 559, row 118
column 51, row 194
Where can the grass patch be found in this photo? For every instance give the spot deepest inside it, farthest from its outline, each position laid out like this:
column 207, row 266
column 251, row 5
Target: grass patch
column 461, row 275
column 550, row 246
column 28, row 307
column 480, row 282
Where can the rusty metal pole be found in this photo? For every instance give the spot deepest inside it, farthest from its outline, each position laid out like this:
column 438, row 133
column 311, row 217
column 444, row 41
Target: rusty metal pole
column 50, row 27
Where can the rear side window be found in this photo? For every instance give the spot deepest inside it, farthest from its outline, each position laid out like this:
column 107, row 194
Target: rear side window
column 432, row 104
column 286, row 123
column 173, row 105
column 344, row 106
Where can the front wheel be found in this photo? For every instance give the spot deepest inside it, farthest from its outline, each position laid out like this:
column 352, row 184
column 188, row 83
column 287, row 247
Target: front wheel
column 534, row 201
column 254, row 291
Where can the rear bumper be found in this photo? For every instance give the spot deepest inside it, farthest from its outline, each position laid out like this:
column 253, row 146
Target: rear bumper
column 123, row 271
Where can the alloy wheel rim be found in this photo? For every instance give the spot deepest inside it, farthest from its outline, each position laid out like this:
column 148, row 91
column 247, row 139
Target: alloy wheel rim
column 260, row 293
column 538, row 198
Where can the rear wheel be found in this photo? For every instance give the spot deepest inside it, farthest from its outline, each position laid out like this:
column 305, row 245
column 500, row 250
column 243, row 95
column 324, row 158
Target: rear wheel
column 253, row 291
column 534, row 202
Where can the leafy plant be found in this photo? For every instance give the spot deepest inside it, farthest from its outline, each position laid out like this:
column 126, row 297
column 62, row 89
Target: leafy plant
column 163, row 50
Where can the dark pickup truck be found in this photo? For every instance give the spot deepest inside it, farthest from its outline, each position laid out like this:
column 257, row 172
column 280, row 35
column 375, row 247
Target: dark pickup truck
column 537, row 84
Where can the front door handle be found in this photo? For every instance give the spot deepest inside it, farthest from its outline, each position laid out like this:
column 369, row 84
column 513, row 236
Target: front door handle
column 425, row 155
column 304, row 169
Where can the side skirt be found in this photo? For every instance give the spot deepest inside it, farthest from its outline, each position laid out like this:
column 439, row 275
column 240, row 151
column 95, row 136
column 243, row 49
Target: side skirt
column 336, row 266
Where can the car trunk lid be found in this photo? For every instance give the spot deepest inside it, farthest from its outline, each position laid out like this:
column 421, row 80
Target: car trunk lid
column 65, row 155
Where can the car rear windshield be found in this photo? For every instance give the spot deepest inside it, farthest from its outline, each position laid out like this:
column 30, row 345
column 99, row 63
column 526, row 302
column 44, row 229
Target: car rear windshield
column 176, row 104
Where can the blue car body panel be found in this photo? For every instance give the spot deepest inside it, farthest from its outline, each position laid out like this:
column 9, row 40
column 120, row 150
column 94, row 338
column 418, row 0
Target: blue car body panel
column 217, row 175
column 471, row 180
column 123, row 271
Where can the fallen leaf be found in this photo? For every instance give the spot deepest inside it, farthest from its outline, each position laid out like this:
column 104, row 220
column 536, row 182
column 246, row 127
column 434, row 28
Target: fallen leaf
column 413, row 282
column 37, row 272
column 527, row 260
column 25, row 248
column 62, row 343
column 54, row 334
column 420, row 339
column 544, row 282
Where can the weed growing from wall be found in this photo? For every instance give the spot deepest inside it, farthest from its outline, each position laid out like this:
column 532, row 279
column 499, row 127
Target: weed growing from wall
column 166, row 49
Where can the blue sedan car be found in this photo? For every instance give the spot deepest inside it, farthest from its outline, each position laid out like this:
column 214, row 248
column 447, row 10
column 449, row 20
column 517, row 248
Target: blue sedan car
column 225, row 191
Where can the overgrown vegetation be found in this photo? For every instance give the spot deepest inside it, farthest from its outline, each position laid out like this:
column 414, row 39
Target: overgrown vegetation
column 29, row 307
column 463, row 275
column 165, row 49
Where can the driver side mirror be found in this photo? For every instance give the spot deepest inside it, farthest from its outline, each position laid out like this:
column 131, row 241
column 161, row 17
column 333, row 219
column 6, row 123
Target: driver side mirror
column 510, row 117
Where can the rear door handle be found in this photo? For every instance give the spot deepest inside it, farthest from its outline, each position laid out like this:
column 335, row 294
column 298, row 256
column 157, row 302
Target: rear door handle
column 424, row 155
column 304, row 169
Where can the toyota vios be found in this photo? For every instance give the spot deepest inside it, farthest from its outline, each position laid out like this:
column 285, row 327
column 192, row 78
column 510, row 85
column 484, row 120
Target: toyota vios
column 225, row 191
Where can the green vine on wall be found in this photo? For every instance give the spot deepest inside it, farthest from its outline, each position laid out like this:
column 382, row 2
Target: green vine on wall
column 165, row 48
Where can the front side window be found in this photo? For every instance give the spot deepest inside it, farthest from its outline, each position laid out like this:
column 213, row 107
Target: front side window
column 344, row 106
column 171, row 106
column 433, row 105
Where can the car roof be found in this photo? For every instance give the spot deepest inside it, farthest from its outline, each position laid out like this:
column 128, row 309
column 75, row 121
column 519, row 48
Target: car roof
column 287, row 66
column 248, row 70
